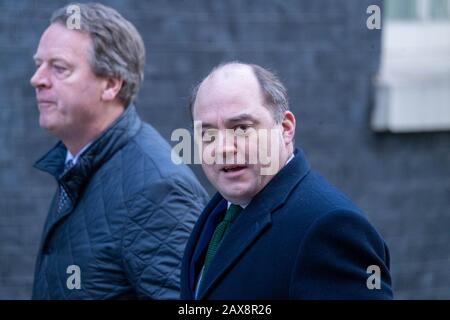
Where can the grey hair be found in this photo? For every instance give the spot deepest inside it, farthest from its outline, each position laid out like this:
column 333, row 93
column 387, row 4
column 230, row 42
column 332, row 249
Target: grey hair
column 274, row 92
column 118, row 49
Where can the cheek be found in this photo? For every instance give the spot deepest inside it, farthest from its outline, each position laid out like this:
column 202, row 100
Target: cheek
column 91, row 91
column 71, row 93
column 208, row 170
column 269, row 143
column 86, row 86
column 208, row 154
column 254, row 173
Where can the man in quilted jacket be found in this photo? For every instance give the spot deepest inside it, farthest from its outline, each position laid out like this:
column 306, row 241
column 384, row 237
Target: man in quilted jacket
column 123, row 211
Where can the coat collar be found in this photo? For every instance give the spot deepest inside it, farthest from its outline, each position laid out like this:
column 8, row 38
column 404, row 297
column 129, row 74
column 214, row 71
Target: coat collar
column 100, row 151
column 254, row 219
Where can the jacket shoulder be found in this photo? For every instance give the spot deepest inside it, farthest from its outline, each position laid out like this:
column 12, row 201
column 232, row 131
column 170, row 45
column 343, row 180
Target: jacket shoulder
column 336, row 258
column 145, row 164
column 337, row 245
column 315, row 196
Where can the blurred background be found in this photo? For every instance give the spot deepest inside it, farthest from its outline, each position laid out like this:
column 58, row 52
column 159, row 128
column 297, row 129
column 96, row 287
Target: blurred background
column 372, row 106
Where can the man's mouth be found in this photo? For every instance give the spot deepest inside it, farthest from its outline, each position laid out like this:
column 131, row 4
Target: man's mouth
column 233, row 168
column 39, row 101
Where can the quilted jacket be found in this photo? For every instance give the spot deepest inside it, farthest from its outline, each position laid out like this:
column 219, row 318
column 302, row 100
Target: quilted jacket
column 124, row 229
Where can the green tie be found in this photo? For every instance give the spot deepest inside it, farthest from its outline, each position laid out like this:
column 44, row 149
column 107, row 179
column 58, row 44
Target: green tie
column 219, row 233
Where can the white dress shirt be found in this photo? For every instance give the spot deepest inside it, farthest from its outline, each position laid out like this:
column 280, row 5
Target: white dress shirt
column 74, row 158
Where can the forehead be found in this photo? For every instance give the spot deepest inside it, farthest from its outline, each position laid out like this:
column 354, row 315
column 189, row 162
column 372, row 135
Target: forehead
column 228, row 93
column 58, row 40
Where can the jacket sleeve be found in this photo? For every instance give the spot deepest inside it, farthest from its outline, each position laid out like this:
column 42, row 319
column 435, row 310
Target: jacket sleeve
column 159, row 222
column 339, row 258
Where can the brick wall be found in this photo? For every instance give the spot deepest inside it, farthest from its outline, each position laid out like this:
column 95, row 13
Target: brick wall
column 327, row 58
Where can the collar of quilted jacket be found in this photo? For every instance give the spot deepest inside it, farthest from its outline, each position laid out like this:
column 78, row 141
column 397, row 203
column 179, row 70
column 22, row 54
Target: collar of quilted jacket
column 102, row 149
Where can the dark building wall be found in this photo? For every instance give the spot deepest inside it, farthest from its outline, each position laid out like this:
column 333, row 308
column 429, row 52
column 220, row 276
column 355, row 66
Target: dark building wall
column 327, row 58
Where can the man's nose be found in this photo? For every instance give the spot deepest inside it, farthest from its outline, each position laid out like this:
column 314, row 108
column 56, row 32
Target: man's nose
column 227, row 143
column 40, row 79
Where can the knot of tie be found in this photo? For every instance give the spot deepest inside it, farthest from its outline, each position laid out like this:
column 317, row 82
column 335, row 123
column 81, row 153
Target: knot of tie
column 68, row 165
column 232, row 213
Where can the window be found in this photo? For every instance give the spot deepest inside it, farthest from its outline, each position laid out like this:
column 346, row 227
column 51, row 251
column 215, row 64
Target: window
column 413, row 85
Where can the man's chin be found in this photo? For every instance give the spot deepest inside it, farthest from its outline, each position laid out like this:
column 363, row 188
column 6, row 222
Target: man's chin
column 236, row 196
column 47, row 124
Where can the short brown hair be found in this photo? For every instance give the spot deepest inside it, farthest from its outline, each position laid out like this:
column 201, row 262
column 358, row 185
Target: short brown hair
column 118, row 49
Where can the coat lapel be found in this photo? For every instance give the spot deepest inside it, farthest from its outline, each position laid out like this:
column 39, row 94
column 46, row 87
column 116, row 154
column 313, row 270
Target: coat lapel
column 52, row 163
column 198, row 243
column 247, row 227
column 53, row 218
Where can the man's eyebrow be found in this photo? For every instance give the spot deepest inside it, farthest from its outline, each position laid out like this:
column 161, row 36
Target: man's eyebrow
column 241, row 118
column 231, row 121
column 205, row 125
column 54, row 59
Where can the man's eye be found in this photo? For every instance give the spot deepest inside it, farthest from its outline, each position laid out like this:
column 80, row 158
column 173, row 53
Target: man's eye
column 209, row 135
column 60, row 69
column 242, row 129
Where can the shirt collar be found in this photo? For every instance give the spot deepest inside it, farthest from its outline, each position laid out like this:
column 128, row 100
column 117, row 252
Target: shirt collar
column 74, row 159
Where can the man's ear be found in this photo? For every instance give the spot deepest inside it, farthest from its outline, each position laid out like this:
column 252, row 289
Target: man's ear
column 112, row 88
column 288, row 127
